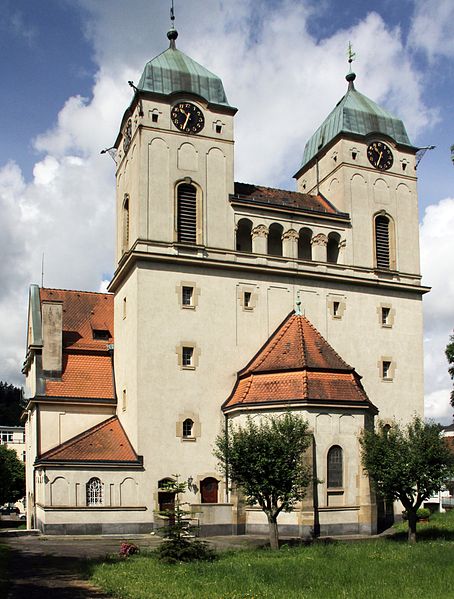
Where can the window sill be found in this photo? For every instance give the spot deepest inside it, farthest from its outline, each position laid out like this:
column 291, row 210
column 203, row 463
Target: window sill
column 187, row 367
column 187, row 307
column 189, row 439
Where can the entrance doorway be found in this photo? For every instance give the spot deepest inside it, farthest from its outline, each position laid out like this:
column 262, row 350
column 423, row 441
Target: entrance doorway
column 209, row 490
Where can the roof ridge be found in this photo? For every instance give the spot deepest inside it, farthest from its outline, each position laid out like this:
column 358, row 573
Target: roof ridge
column 76, row 291
column 303, row 341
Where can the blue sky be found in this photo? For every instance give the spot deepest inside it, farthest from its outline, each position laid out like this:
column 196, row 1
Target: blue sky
column 65, row 66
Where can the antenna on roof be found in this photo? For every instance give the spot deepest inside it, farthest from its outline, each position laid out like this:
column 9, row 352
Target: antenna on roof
column 350, row 75
column 351, row 55
column 42, row 271
column 172, row 34
column 298, row 305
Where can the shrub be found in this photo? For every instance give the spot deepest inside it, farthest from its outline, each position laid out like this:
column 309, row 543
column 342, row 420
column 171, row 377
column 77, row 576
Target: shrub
column 128, row 549
column 185, row 550
column 422, row 514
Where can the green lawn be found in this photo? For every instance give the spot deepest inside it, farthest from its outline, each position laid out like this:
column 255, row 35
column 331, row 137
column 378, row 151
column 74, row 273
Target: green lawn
column 383, row 568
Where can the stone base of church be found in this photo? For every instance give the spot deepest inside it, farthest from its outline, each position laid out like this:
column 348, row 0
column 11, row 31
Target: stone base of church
column 95, row 529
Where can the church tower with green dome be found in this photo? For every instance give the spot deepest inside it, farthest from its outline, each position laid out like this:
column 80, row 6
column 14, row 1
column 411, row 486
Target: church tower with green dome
column 174, row 156
column 361, row 158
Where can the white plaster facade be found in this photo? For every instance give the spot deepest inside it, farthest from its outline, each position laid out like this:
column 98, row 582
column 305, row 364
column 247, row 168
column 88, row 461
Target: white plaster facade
column 343, row 299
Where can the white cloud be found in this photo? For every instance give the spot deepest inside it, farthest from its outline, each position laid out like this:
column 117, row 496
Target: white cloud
column 432, row 28
column 437, row 249
column 282, row 79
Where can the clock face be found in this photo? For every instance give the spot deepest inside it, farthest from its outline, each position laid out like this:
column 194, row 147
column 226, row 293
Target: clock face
column 187, row 117
column 380, row 155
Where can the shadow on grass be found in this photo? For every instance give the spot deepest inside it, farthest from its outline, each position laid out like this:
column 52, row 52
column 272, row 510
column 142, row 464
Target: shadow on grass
column 424, row 532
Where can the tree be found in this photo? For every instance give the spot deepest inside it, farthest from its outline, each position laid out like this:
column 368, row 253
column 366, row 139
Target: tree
column 450, row 355
column 408, row 464
column 10, row 404
column 12, row 476
column 265, row 460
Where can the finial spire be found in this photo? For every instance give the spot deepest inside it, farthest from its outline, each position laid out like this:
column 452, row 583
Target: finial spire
column 298, row 305
column 172, row 34
column 351, row 75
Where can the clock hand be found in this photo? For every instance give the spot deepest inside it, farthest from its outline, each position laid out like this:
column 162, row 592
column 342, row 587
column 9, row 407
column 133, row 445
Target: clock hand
column 188, row 114
column 379, row 158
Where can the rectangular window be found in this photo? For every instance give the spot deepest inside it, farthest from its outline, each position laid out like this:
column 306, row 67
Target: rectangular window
column 386, row 369
column 124, row 400
column 385, row 316
column 218, row 128
column 187, row 295
column 247, row 299
column 154, row 117
column 336, row 306
column 186, row 356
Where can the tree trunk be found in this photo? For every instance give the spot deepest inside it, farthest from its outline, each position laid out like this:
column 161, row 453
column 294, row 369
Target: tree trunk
column 412, row 519
column 274, row 534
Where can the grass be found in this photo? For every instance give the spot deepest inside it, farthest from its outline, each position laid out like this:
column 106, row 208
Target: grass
column 4, row 576
column 381, row 568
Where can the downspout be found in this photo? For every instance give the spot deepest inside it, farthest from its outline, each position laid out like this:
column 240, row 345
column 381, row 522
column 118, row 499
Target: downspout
column 226, row 432
column 110, row 349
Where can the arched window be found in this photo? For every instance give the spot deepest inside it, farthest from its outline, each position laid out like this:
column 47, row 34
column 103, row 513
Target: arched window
column 209, row 490
column 188, row 427
column 94, row 492
column 243, row 236
column 275, row 240
column 335, row 478
column 332, row 248
column 384, row 242
column 125, row 241
column 304, row 244
column 187, row 213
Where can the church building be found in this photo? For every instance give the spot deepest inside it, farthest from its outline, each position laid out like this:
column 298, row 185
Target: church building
column 228, row 300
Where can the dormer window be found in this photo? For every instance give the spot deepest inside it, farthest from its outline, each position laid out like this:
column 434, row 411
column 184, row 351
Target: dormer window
column 101, row 334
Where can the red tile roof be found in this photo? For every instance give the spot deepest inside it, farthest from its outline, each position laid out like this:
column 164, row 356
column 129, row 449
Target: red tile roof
column 87, row 371
column 105, row 442
column 258, row 194
column 297, row 365
column 87, row 375
column 83, row 311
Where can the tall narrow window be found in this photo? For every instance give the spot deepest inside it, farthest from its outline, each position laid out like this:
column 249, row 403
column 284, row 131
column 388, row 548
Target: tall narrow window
column 94, row 492
column 187, row 213
column 382, row 241
column 125, row 223
column 304, row 244
column 186, row 296
column 188, row 426
column 335, row 478
column 275, row 240
column 244, row 236
column 332, row 249
column 186, row 356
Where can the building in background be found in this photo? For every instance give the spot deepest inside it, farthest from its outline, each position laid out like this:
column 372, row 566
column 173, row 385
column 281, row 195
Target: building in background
column 14, row 438
column 229, row 300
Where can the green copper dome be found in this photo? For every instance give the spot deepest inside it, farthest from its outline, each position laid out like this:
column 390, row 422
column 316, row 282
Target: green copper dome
column 358, row 115
column 173, row 71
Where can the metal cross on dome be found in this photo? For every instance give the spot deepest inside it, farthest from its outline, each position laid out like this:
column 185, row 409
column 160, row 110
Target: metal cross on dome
column 351, row 55
column 172, row 14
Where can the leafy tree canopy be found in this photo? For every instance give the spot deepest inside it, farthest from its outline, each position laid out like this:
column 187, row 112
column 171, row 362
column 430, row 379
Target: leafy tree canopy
column 12, row 476
column 10, row 404
column 408, row 464
column 450, row 355
column 265, row 459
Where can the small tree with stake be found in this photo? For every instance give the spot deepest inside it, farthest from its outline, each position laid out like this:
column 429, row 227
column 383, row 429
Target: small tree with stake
column 266, row 462
column 450, row 357
column 407, row 464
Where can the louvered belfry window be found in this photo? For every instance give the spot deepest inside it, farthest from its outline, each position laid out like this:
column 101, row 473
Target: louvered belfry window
column 382, row 241
column 187, row 213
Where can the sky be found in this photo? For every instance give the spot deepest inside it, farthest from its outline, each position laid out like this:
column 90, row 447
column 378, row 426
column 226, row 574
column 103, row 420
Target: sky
column 65, row 66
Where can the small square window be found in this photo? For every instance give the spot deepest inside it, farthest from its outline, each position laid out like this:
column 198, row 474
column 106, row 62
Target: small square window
column 218, row 128
column 187, row 296
column 386, row 369
column 385, row 313
column 186, row 356
column 154, row 117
